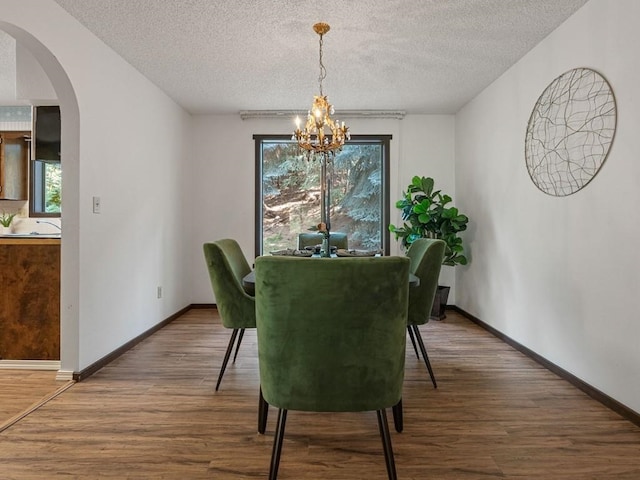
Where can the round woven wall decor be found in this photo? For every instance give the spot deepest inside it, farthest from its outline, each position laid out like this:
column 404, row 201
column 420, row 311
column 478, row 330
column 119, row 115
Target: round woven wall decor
column 570, row 132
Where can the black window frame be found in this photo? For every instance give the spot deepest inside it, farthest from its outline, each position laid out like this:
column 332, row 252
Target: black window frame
column 37, row 189
column 385, row 142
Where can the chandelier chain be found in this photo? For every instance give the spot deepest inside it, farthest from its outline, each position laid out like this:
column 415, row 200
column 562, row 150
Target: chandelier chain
column 323, row 70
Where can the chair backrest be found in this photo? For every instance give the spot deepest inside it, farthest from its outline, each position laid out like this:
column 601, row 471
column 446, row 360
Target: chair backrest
column 336, row 239
column 227, row 266
column 331, row 332
column 426, row 257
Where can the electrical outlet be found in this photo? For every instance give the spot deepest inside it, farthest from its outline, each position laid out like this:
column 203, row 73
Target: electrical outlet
column 159, row 291
column 96, row 204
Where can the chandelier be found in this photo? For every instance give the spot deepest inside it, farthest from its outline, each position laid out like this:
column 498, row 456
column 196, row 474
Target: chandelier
column 321, row 135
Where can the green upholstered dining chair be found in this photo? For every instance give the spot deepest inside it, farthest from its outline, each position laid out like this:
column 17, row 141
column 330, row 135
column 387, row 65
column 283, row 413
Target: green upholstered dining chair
column 336, row 239
column 227, row 266
column 331, row 338
column 426, row 259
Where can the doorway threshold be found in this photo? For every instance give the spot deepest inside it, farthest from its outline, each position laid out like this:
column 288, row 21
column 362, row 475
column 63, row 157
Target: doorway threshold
column 30, row 364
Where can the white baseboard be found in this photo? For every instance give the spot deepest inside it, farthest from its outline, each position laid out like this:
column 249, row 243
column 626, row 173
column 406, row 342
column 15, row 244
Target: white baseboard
column 30, row 364
column 64, row 375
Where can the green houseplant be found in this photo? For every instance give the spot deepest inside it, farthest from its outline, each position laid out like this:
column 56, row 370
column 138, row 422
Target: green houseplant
column 5, row 221
column 426, row 213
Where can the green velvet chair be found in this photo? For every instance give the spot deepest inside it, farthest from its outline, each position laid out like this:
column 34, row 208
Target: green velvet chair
column 227, row 266
column 331, row 338
column 336, row 239
column 426, row 257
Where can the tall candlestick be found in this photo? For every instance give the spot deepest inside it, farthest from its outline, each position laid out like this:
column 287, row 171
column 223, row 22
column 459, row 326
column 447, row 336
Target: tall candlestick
column 323, row 192
column 328, row 219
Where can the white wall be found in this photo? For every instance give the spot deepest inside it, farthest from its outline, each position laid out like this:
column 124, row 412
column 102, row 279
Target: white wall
column 32, row 83
column 222, row 183
column 7, row 69
column 560, row 275
column 126, row 142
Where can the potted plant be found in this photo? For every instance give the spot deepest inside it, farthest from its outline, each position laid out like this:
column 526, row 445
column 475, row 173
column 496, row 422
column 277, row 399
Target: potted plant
column 426, row 214
column 5, row 221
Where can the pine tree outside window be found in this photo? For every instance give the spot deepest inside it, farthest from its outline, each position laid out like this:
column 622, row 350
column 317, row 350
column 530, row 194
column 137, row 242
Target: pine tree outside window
column 288, row 192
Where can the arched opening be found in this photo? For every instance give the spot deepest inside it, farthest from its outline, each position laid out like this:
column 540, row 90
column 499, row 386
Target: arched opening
column 69, row 281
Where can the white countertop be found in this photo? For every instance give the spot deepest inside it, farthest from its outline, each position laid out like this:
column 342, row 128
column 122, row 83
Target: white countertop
column 31, row 235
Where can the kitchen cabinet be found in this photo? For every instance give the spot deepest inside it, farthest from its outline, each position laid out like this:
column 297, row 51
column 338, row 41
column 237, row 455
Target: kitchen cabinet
column 46, row 132
column 14, row 165
column 29, row 298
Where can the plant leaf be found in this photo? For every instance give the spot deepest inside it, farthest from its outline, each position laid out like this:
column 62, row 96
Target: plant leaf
column 426, row 184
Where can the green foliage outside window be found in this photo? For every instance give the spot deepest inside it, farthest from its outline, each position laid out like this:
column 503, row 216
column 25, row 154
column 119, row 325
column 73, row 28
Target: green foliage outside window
column 53, row 188
column 291, row 194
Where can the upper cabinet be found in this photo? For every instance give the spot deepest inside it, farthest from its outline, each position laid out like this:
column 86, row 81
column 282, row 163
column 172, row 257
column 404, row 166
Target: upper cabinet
column 46, row 121
column 14, row 158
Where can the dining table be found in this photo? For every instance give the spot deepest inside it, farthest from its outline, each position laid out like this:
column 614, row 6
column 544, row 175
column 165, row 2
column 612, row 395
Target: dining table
column 249, row 282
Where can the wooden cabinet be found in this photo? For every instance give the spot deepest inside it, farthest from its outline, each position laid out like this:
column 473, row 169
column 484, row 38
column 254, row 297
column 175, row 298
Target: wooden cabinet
column 29, row 299
column 14, row 161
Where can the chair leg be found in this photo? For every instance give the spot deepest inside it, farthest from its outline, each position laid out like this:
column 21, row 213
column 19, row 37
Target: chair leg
column 263, row 412
column 398, row 419
column 238, row 344
column 423, row 350
column 386, row 444
column 413, row 340
column 277, row 444
column 232, row 340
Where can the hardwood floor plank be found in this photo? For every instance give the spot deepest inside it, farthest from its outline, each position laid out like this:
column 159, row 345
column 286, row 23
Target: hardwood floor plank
column 153, row 414
column 20, row 389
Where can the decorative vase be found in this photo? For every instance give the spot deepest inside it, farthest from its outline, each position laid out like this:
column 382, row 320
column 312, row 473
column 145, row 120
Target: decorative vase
column 6, row 230
column 326, row 249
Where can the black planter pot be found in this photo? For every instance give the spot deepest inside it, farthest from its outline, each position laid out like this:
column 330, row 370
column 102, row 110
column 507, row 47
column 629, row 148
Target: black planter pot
column 440, row 303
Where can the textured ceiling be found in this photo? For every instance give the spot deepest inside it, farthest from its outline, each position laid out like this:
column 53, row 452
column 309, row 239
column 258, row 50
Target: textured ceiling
column 223, row 56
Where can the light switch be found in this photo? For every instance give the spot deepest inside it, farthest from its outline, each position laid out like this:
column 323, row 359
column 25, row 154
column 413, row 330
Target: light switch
column 96, row 204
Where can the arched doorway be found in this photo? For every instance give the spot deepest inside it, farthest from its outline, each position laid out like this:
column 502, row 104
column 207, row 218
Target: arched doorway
column 69, row 282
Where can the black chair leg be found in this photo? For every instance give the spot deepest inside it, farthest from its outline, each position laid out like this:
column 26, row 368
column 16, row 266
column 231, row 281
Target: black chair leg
column 398, row 419
column 234, row 334
column 277, row 444
column 263, row 413
column 386, row 444
column 238, row 344
column 423, row 350
column 413, row 340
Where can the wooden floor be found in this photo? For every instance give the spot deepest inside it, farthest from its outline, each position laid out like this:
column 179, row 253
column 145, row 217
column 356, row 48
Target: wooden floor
column 153, row 414
column 20, row 390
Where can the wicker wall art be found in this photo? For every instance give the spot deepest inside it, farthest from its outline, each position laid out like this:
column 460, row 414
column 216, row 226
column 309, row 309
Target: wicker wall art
column 570, row 132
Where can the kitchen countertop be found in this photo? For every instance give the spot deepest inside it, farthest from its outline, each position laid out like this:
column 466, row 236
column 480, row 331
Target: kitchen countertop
column 30, row 239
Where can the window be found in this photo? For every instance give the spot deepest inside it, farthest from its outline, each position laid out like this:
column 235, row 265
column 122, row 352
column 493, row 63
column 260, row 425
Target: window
column 288, row 192
column 46, row 187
